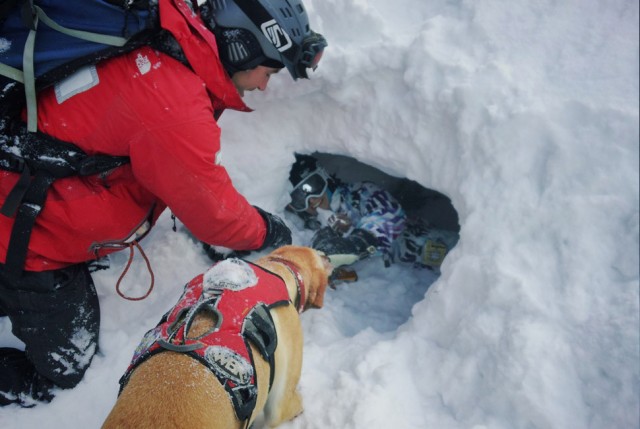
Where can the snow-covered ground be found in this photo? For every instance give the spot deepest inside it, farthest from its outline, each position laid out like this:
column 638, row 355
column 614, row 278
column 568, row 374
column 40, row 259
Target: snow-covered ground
column 524, row 113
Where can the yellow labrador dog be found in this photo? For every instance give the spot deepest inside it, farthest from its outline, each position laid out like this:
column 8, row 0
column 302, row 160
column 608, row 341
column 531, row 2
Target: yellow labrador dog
column 231, row 348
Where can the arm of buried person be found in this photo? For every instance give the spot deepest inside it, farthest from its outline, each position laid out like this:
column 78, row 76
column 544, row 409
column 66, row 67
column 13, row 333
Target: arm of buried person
column 342, row 251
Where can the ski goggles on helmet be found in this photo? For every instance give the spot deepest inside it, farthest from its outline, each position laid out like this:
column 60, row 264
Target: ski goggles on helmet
column 312, row 186
column 310, row 53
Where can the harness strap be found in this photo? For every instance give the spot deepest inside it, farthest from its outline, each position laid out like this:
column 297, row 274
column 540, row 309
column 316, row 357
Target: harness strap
column 185, row 324
column 103, row 39
column 180, row 348
column 16, row 195
column 301, row 298
column 28, row 77
column 32, row 204
column 260, row 329
column 206, row 304
column 11, row 72
column 39, row 160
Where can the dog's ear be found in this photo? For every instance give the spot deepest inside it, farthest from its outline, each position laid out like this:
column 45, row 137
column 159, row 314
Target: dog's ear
column 320, row 281
column 316, row 266
column 316, row 298
column 326, row 263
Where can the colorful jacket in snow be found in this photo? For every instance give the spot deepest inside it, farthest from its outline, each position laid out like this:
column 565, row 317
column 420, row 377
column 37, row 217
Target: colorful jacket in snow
column 372, row 209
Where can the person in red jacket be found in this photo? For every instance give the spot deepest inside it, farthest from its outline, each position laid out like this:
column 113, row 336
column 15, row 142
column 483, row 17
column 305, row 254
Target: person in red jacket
column 160, row 111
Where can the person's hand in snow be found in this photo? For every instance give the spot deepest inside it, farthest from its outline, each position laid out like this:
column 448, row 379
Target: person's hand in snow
column 278, row 234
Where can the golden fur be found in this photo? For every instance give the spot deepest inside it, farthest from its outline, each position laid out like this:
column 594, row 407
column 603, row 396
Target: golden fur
column 172, row 390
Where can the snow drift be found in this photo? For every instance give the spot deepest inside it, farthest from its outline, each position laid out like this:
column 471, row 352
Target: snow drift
column 526, row 116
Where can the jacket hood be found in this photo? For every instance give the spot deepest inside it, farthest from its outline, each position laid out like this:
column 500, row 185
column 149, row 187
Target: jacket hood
column 201, row 50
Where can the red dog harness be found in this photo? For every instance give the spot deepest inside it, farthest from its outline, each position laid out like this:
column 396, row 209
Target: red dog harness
column 302, row 293
column 240, row 294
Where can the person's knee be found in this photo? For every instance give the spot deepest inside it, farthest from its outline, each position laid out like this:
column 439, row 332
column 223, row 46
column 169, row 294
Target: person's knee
column 62, row 342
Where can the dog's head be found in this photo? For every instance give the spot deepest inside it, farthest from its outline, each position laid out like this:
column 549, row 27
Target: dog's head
column 314, row 268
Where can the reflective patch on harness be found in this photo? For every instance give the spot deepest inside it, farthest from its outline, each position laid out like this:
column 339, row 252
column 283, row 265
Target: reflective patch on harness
column 232, row 273
column 81, row 81
column 229, row 365
column 147, row 341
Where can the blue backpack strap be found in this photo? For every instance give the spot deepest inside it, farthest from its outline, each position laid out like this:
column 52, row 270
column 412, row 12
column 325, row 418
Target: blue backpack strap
column 27, row 76
column 23, row 19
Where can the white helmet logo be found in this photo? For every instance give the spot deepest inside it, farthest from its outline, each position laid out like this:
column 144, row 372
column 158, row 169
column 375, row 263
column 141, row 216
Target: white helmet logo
column 276, row 35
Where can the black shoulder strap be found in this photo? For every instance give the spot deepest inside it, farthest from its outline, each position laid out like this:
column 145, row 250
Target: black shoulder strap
column 260, row 329
column 40, row 160
column 31, row 206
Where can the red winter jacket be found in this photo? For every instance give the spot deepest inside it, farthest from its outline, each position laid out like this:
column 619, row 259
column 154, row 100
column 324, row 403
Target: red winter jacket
column 150, row 107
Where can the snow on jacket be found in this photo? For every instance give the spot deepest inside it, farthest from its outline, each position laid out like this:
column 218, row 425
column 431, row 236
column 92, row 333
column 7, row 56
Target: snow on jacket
column 370, row 208
column 152, row 108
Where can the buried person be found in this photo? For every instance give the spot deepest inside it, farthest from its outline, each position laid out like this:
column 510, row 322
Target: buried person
column 356, row 220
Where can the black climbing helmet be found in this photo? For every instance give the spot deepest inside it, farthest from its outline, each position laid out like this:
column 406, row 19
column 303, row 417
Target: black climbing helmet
column 301, row 168
column 273, row 33
column 309, row 180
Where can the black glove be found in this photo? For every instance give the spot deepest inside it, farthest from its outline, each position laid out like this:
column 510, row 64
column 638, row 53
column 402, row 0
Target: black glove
column 360, row 243
column 310, row 221
column 278, row 234
column 312, row 224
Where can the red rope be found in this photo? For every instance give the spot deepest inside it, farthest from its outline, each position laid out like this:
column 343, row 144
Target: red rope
column 126, row 269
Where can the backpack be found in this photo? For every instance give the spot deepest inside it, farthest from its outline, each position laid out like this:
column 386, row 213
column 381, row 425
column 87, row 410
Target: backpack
column 41, row 43
column 44, row 41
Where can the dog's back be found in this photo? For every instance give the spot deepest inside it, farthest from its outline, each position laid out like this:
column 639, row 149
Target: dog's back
column 173, row 390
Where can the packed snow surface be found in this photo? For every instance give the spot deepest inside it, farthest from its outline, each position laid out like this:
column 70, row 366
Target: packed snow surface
column 525, row 114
